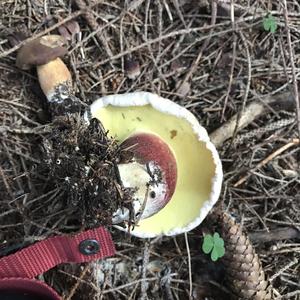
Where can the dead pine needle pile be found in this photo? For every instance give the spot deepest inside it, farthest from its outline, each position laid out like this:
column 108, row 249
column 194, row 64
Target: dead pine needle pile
column 235, row 65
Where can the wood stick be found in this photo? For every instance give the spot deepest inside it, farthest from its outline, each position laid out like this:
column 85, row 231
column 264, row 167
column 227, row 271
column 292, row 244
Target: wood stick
column 292, row 59
column 279, row 234
column 93, row 23
column 267, row 159
column 251, row 112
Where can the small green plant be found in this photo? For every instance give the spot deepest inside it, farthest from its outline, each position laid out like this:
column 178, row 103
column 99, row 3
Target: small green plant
column 269, row 23
column 213, row 245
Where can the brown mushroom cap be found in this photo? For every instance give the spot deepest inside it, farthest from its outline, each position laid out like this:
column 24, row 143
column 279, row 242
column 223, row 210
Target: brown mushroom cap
column 132, row 68
column 41, row 51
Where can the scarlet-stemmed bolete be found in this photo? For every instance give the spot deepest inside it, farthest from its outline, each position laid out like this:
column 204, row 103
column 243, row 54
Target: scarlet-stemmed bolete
column 176, row 171
column 54, row 76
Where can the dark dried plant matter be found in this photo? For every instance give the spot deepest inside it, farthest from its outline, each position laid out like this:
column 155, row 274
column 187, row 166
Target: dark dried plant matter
column 82, row 188
column 241, row 64
column 82, row 163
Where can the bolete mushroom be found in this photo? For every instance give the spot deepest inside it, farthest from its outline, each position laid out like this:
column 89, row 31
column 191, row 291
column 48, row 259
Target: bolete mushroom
column 175, row 173
column 173, row 157
column 54, row 76
column 152, row 174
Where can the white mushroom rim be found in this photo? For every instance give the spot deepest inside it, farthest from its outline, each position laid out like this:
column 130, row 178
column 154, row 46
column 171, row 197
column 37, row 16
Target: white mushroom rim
column 126, row 114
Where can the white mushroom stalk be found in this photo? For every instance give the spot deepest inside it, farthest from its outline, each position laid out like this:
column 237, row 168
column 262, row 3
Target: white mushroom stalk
column 56, row 82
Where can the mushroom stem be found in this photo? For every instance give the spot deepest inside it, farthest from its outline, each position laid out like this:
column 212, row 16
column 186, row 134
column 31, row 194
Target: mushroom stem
column 148, row 198
column 135, row 176
column 53, row 74
column 56, row 82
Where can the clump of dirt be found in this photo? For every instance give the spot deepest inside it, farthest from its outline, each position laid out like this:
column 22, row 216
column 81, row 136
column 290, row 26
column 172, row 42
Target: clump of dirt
column 82, row 162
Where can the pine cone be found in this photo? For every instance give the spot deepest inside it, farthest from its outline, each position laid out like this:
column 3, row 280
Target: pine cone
column 244, row 271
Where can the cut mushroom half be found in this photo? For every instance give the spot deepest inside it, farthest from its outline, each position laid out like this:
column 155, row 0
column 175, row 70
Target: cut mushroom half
column 54, row 77
column 152, row 175
column 176, row 172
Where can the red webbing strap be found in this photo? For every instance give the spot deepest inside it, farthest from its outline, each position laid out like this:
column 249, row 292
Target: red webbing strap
column 44, row 255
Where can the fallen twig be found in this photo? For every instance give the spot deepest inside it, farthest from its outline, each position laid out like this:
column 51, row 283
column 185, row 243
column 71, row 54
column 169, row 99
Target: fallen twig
column 233, row 60
column 292, row 59
column 204, row 46
column 92, row 22
column 278, row 234
column 294, row 142
column 170, row 35
column 77, row 283
column 189, row 264
column 247, row 89
column 251, row 112
column 144, row 285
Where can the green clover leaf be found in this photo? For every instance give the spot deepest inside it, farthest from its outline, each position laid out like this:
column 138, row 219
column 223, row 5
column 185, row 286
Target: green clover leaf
column 270, row 24
column 218, row 241
column 214, row 254
column 213, row 245
column 208, row 244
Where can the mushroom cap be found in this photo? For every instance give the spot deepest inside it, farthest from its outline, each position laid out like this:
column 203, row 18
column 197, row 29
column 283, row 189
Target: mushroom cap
column 199, row 169
column 151, row 148
column 153, row 173
column 132, row 68
column 41, row 51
